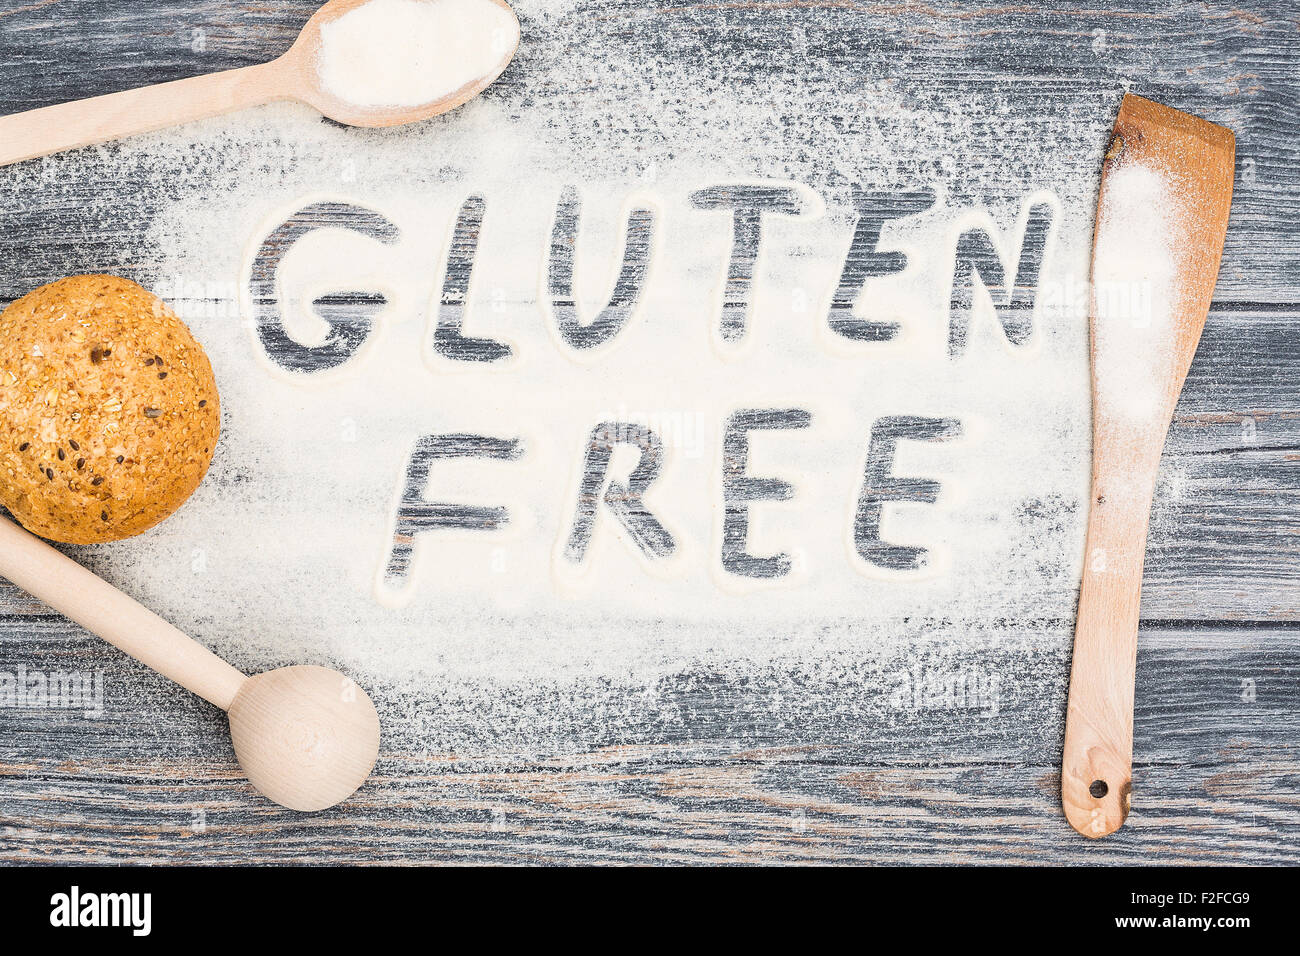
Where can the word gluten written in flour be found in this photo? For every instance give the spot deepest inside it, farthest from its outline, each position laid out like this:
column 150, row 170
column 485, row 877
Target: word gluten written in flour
column 979, row 261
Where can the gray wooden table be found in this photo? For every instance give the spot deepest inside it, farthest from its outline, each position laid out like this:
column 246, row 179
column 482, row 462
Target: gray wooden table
column 1218, row 698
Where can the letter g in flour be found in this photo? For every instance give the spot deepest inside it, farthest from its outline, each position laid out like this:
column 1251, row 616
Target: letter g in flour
column 349, row 315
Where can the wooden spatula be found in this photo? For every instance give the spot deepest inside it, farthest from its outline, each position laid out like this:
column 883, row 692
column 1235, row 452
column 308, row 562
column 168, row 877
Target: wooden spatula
column 1166, row 187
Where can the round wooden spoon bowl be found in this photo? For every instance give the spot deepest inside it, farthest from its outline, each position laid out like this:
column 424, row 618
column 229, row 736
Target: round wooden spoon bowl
column 299, row 71
column 307, row 737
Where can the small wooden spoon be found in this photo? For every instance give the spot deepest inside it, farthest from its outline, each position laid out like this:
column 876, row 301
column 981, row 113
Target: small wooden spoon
column 293, row 76
column 307, row 737
column 1137, row 375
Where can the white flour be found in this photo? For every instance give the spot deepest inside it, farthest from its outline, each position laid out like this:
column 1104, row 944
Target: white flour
column 410, row 52
column 1134, row 270
column 499, row 643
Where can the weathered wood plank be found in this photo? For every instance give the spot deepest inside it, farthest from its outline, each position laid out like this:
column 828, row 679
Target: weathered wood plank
column 1215, row 781
column 690, row 814
column 1223, row 682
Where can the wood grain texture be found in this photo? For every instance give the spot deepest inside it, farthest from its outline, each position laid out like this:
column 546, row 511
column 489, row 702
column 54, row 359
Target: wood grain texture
column 709, row 775
column 1215, row 781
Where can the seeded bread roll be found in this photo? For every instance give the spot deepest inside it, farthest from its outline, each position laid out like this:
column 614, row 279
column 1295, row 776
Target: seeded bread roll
column 108, row 410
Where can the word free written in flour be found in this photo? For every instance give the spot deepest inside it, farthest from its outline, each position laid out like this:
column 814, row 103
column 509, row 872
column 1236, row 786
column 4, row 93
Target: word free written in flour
column 683, row 393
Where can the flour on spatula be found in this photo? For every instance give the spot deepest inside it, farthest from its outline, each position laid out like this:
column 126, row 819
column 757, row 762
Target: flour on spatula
column 1134, row 272
column 405, row 53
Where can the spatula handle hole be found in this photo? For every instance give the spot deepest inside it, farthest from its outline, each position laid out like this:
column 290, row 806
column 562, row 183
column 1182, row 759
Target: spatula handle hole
column 1098, row 788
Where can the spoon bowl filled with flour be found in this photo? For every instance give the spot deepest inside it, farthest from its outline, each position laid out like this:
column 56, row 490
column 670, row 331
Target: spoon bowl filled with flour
column 388, row 62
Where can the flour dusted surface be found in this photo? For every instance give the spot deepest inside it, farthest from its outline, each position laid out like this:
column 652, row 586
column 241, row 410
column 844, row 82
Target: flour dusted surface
column 279, row 550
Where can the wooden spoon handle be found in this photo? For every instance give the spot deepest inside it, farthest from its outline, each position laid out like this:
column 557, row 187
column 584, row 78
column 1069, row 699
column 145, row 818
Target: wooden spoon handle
column 114, row 115
column 1097, row 763
column 104, row 610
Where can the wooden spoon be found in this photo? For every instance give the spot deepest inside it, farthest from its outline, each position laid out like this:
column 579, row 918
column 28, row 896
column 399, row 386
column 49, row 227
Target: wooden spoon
column 293, row 76
column 1139, row 363
column 307, row 737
